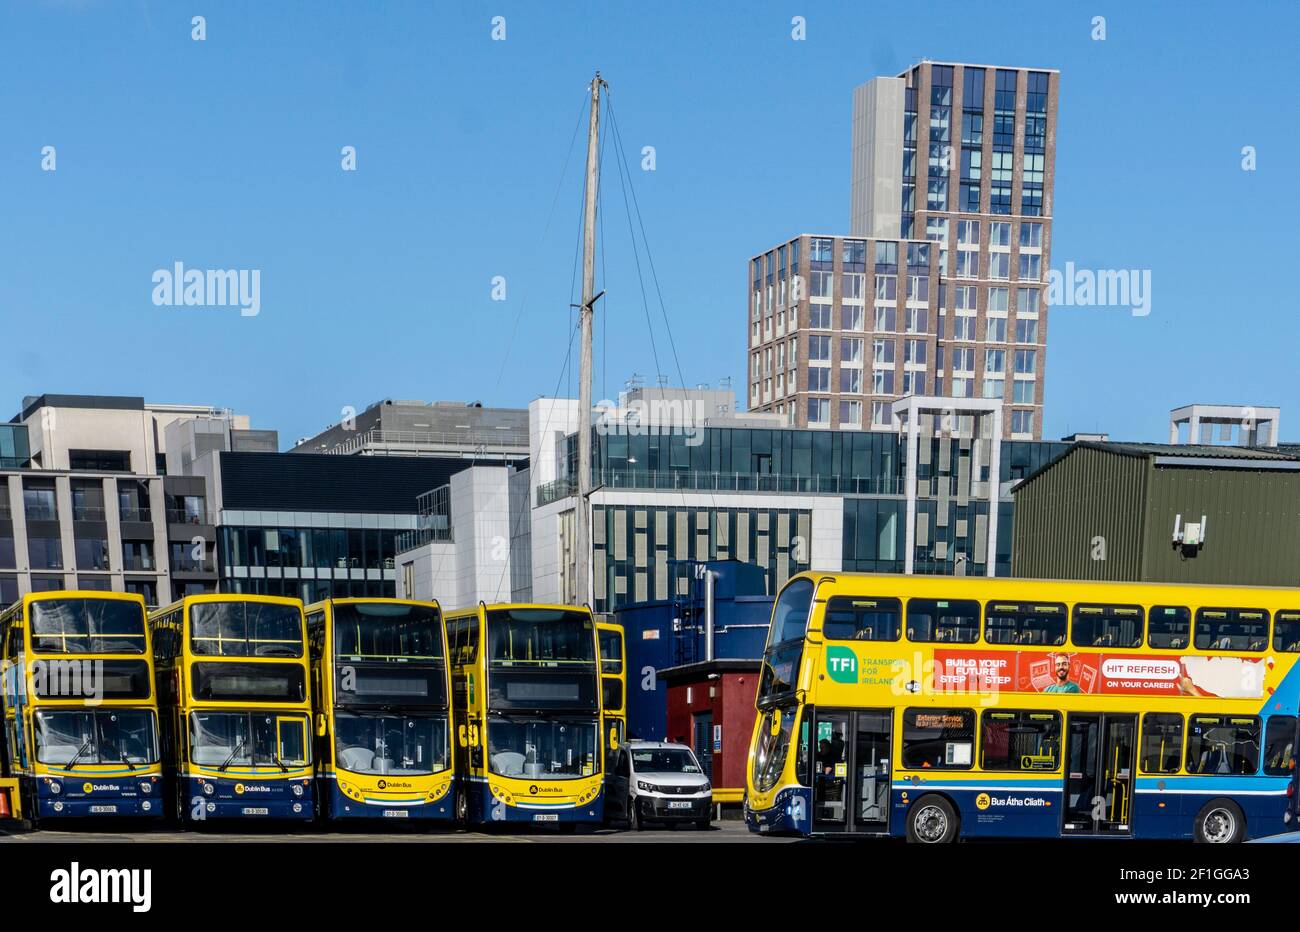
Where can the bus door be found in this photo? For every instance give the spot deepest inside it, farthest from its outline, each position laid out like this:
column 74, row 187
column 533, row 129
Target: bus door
column 851, row 770
column 1099, row 774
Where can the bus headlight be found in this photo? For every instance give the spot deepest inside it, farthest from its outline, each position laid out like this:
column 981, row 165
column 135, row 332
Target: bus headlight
column 56, row 787
column 297, row 807
column 209, row 789
column 146, row 787
column 212, row 807
column 146, row 806
column 297, row 789
column 58, row 807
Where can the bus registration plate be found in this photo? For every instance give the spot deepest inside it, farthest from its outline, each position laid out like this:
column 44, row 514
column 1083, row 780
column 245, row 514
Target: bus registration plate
column 396, row 814
column 103, row 809
column 255, row 810
column 546, row 817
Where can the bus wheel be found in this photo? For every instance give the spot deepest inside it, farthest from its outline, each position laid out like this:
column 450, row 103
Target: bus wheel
column 462, row 807
column 1220, row 822
column 932, row 821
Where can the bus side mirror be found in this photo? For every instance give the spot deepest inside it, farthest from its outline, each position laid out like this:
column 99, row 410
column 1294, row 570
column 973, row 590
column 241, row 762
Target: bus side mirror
column 473, row 735
column 613, row 737
column 461, row 736
column 320, row 725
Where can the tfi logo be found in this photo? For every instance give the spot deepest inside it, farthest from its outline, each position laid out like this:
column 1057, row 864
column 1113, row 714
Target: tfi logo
column 842, row 664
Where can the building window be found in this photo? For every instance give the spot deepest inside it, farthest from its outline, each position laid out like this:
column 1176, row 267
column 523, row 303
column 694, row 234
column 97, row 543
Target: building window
column 819, row 411
column 99, row 460
column 137, row 555
column 1022, row 422
column 851, row 413
column 819, row 316
column 91, row 554
column 44, row 553
column 1026, row 330
column 39, row 503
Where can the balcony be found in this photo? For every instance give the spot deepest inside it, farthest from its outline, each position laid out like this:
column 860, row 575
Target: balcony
column 686, row 480
column 188, row 516
column 87, row 512
column 135, row 513
column 187, row 564
column 41, row 512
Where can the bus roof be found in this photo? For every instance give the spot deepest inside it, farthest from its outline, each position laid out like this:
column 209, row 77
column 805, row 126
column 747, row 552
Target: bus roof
column 1010, row 584
column 370, row 600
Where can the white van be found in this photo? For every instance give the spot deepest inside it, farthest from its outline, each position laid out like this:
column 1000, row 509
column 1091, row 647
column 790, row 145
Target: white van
column 658, row 781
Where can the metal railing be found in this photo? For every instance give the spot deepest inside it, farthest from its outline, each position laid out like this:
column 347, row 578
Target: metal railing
column 187, row 516
column 134, row 513
column 41, row 512
column 483, row 437
column 409, row 540
column 87, row 512
column 686, row 480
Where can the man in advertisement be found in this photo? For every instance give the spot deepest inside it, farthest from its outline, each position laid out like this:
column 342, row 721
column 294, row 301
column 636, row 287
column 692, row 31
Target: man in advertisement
column 1063, row 682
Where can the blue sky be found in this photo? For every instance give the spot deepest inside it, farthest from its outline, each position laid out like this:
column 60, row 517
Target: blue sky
column 377, row 283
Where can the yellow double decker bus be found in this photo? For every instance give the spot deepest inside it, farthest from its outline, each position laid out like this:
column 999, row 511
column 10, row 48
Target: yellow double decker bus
column 527, row 714
column 233, row 692
column 80, row 716
column 938, row 708
column 381, row 687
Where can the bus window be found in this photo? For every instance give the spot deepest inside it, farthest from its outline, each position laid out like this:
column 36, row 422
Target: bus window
column 1219, row 744
column 1025, row 623
column 851, row 619
column 1286, row 633
column 246, row 629
column 1020, row 740
column 1231, row 629
column 1162, row 742
column 956, row 621
column 611, row 651
column 1107, row 626
column 939, row 739
column 1279, row 746
column 1170, row 627
column 790, row 617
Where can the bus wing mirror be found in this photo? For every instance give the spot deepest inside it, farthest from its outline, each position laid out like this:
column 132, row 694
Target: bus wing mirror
column 473, row 735
column 320, row 725
column 462, row 736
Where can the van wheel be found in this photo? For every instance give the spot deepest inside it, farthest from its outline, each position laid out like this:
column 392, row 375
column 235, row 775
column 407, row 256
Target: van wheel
column 1220, row 822
column 932, row 821
column 634, row 823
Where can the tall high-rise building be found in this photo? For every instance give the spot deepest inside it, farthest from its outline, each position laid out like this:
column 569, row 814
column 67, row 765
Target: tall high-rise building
column 953, row 155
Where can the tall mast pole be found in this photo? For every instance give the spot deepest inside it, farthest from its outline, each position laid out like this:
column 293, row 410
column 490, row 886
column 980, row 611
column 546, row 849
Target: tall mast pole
column 583, row 561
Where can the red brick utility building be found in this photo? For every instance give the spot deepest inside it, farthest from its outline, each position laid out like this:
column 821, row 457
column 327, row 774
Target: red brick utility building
column 711, row 709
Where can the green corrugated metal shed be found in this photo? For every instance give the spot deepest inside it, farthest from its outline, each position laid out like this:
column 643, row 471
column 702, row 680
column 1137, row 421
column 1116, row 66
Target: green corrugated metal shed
column 1106, row 511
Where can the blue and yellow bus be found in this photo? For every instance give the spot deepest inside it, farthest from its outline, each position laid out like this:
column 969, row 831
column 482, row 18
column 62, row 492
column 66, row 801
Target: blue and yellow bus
column 527, row 714
column 233, row 692
column 80, row 717
column 381, row 688
column 939, row 708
